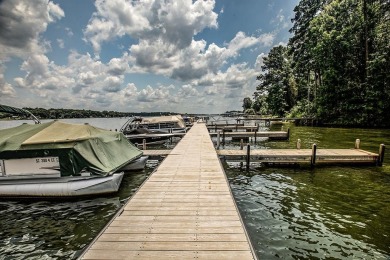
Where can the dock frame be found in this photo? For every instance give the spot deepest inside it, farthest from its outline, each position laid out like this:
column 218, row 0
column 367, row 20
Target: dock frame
column 184, row 210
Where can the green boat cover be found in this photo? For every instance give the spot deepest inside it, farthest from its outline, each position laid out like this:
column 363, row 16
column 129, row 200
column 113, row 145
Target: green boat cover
column 78, row 147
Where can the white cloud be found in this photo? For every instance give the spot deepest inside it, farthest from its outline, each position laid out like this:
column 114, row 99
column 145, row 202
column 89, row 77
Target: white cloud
column 149, row 94
column 150, row 21
column 188, row 91
column 280, row 20
column 61, row 43
column 6, row 90
column 260, row 61
column 21, row 24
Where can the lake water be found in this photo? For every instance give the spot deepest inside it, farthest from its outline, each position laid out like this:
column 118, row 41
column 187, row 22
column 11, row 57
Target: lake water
column 290, row 213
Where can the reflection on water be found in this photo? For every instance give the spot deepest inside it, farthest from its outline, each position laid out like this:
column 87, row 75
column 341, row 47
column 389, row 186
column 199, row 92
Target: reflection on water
column 324, row 212
column 297, row 213
column 60, row 229
column 290, row 213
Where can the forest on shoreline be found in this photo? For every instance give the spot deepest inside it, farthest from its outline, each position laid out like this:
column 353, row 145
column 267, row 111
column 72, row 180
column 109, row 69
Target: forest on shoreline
column 59, row 113
column 335, row 67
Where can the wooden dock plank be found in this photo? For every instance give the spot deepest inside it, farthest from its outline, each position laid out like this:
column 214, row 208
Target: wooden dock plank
column 162, row 255
column 275, row 134
column 184, row 210
column 302, row 155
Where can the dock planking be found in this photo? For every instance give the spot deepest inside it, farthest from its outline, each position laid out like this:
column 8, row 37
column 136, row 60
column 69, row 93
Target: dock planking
column 349, row 156
column 184, row 210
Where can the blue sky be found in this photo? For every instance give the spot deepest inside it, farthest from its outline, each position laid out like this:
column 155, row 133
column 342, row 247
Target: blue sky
column 142, row 55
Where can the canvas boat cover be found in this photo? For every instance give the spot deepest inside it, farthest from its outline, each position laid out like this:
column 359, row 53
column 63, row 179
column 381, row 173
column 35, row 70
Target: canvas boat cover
column 164, row 119
column 79, row 147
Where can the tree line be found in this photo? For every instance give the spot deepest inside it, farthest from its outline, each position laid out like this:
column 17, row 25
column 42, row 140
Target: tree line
column 60, row 113
column 335, row 67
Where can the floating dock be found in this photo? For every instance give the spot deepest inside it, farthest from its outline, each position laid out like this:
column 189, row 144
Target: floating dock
column 299, row 156
column 276, row 135
column 248, row 128
column 185, row 210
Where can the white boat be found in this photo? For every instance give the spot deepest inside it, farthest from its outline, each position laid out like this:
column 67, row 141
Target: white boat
column 137, row 136
column 161, row 124
column 36, row 186
column 136, row 165
column 59, row 159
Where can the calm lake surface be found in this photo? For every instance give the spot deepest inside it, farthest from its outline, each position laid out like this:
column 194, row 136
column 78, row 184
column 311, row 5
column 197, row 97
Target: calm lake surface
column 338, row 212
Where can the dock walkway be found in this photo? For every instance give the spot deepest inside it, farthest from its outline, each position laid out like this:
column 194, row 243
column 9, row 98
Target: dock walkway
column 349, row 156
column 184, row 210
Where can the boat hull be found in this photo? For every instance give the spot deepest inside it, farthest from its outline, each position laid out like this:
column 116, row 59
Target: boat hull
column 60, row 187
column 136, row 165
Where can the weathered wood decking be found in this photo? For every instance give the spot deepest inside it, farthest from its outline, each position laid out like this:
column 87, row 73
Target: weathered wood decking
column 185, row 210
column 349, row 156
column 269, row 134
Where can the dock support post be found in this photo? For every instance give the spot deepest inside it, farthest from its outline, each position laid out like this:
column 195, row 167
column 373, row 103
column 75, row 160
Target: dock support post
column 248, row 155
column 357, row 144
column 288, row 133
column 218, row 139
column 223, row 136
column 241, row 144
column 299, row 144
column 381, row 154
column 255, row 136
column 313, row 155
column 143, row 144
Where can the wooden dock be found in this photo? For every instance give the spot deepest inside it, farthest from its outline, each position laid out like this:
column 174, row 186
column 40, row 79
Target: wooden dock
column 185, row 210
column 276, row 135
column 286, row 156
column 250, row 128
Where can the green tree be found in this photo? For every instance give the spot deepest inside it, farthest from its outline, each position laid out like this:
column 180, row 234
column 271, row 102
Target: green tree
column 247, row 103
column 277, row 82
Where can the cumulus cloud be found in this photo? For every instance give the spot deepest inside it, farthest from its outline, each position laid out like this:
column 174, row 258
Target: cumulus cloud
column 21, row 23
column 6, row 90
column 150, row 20
column 150, row 94
column 187, row 91
column 260, row 61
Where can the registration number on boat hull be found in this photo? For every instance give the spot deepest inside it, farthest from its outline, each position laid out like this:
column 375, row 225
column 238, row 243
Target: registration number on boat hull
column 29, row 166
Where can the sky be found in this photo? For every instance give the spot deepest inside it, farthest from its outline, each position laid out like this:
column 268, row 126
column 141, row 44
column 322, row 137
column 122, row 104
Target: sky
column 185, row 56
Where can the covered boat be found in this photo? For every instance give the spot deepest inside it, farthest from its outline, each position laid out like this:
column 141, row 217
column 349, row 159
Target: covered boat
column 160, row 124
column 61, row 159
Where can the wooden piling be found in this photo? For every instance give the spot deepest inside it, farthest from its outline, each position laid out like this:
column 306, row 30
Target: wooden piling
column 313, row 155
column 299, row 144
column 143, row 144
column 223, row 136
column 248, row 155
column 255, row 135
column 241, row 144
column 218, row 139
column 288, row 133
column 357, row 144
column 381, row 154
